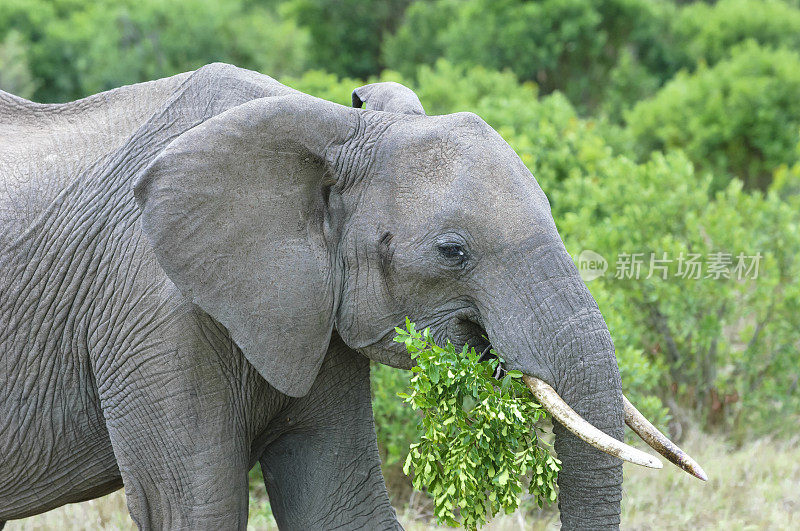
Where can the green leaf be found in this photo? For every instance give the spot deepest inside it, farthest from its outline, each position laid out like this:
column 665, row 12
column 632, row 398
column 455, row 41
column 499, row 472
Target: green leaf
column 502, row 478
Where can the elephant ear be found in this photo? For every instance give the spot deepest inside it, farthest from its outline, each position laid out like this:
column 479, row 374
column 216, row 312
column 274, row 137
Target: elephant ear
column 388, row 97
column 235, row 209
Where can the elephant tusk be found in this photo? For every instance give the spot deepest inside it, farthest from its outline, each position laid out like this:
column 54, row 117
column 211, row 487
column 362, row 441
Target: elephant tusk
column 555, row 405
column 659, row 442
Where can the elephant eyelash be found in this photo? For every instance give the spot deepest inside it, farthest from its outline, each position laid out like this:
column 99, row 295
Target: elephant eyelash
column 386, row 238
column 453, row 252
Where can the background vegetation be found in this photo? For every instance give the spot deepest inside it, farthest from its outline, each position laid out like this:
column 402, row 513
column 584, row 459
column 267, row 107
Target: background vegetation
column 654, row 127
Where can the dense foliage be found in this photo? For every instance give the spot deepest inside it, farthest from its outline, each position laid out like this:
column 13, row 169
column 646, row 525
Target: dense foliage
column 347, row 33
column 477, row 437
column 719, row 327
column 739, row 118
column 78, row 48
column 710, row 31
column 569, row 45
column 660, row 131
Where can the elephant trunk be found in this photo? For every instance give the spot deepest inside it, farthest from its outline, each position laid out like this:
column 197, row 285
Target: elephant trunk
column 559, row 337
column 590, row 482
column 554, row 334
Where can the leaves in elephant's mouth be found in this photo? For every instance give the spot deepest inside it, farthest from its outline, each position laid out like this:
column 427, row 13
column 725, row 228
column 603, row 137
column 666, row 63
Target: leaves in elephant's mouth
column 477, row 438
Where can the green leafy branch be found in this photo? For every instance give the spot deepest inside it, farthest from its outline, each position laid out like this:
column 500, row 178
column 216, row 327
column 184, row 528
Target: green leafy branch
column 477, row 438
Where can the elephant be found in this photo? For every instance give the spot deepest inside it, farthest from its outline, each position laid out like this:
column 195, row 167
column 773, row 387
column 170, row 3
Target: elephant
column 196, row 272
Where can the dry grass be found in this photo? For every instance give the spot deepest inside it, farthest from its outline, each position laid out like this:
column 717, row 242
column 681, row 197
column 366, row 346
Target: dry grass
column 753, row 487
column 108, row 512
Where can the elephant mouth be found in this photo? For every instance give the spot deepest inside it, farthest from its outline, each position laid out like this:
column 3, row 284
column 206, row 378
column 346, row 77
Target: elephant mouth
column 486, row 354
column 470, row 331
column 466, row 329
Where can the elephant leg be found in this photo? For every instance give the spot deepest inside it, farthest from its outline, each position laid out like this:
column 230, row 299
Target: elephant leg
column 324, row 471
column 177, row 431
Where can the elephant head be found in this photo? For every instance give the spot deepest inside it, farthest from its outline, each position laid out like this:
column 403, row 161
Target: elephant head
column 290, row 218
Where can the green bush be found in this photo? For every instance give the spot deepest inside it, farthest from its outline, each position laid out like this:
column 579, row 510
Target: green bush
column 707, row 32
column 15, row 74
column 418, row 39
column 728, row 343
column 739, row 118
column 396, row 427
column 628, row 82
column 347, row 34
column 567, row 45
column 77, row 48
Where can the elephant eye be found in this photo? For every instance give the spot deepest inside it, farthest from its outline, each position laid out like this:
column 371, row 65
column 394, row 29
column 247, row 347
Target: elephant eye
column 452, row 252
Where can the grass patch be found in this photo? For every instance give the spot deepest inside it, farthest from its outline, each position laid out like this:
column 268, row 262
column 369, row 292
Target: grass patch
column 755, row 486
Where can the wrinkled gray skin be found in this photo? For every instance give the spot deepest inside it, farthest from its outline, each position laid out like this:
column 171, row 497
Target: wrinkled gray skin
column 195, row 272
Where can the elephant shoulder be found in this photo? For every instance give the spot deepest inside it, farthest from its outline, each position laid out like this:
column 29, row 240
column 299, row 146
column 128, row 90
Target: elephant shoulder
column 45, row 147
column 224, row 80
